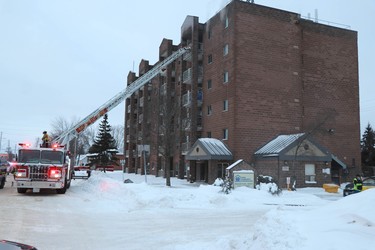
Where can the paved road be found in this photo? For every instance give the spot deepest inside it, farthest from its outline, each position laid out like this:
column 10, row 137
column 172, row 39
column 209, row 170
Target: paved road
column 51, row 221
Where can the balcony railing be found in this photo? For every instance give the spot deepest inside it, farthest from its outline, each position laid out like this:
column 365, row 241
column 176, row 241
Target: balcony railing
column 186, row 99
column 186, row 124
column 186, row 76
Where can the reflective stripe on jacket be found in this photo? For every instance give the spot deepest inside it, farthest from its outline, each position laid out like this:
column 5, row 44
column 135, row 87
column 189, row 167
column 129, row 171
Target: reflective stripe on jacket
column 357, row 184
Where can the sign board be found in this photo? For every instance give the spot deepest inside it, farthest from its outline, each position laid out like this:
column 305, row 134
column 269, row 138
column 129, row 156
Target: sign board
column 285, row 168
column 243, row 178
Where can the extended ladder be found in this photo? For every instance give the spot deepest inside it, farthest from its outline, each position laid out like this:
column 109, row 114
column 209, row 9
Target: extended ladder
column 117, row 99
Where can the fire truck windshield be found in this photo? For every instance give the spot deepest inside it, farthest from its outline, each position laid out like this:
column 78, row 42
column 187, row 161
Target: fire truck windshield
column 41, row 156
column 29, row 156
column 54, row 157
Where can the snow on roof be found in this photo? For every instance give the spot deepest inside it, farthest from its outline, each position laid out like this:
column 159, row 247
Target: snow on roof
column 234, row 164
column 209, row 149
column 215, row 146
column 278, row 144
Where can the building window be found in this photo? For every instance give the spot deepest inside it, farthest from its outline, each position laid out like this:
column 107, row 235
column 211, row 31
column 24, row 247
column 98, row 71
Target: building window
column 209, row 84
column 209, row 59
column 225, row 134
column 209, row 135
column 226, row 22
column 225, row 105
column 209, row 110
column 310, row 173
column 226, row 49
column 226, row 77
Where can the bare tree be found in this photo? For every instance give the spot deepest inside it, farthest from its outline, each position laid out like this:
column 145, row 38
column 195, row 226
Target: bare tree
column 79, row 145
column 167, row 109
column 320, row 126
column 118, row 134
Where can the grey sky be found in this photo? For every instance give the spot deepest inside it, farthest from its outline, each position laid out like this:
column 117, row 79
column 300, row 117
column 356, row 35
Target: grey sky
column 66, row 58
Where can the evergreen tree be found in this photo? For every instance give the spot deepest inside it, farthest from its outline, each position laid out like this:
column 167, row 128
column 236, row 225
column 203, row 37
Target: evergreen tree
column 104, row 144
column 368, row 147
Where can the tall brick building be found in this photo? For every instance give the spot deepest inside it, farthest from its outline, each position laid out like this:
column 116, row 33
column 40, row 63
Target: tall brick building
column 253, row 73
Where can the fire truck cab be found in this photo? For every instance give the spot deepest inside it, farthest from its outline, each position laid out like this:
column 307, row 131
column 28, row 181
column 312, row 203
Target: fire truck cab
column 42, row 168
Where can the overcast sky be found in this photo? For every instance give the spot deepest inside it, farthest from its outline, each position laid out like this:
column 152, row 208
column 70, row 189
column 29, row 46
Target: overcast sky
column 65, row 58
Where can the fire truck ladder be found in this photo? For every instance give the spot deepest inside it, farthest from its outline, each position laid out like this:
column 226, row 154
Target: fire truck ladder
column 65, row 137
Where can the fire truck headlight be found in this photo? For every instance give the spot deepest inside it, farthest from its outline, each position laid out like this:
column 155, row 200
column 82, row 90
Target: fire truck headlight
column 54, row 173
column 21, row 173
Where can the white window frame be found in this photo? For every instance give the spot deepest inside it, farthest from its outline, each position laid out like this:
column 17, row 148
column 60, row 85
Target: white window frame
column 209, row 59
column 225, row 105
column 226, row 77
column 209, row 110
column 209, row 84
column 225, row 134
column 226, row 22
column 226, row 49
column 310, row 173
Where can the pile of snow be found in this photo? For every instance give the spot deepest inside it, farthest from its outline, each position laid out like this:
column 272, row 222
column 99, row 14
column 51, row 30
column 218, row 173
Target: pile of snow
column 103, row 212
column 306, row 219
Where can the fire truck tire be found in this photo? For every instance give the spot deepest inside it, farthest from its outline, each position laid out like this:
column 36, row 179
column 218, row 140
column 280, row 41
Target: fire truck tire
column 2, row 182
column 70, row 181
column 21, row 190
column 63, row 190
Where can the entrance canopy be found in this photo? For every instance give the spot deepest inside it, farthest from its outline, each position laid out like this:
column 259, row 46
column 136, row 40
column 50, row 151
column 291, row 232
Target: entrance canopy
column 338, row 161
column 209, row 149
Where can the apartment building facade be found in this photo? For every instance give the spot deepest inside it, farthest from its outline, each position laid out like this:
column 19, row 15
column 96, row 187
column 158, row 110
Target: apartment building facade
column 252, row 73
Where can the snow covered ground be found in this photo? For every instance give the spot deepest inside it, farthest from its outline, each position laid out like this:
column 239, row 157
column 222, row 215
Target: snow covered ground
column 105, row 213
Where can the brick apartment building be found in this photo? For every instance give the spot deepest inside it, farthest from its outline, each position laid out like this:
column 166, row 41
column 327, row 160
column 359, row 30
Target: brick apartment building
column 253, row 73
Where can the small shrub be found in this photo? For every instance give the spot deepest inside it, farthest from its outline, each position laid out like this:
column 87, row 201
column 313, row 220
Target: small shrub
column 269, row 184
column 226, row 184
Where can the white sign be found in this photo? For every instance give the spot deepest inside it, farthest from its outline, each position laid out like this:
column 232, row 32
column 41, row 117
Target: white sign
column 285, row 168
column 244, row 178
column 326, row 171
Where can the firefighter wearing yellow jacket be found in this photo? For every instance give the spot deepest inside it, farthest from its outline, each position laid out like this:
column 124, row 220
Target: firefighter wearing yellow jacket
column 357, row 183
column 45, row 140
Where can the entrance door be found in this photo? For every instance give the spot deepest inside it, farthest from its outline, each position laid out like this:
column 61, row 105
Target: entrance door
column 202, row 171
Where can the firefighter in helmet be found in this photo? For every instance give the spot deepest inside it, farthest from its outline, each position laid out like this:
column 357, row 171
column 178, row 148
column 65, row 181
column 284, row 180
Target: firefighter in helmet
column 45, row 140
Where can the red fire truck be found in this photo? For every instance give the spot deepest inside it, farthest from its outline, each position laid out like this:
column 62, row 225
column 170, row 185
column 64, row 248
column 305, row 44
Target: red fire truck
column 42, row 168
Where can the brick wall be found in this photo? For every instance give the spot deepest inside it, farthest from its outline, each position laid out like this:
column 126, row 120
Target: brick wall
column 286, row 76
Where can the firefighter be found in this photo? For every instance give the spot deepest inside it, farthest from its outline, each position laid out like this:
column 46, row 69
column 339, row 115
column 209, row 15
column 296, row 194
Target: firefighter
column 357, row 183
column 45, row 139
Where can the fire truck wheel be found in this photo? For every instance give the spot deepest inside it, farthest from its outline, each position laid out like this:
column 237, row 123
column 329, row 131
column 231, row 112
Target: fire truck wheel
column 62, row 190
column 21, row 190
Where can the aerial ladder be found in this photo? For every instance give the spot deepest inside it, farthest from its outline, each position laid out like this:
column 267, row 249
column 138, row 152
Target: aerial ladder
column 74, row 131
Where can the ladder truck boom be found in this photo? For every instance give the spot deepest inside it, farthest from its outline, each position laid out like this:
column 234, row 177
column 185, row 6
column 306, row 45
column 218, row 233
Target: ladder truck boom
column 117, row 99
